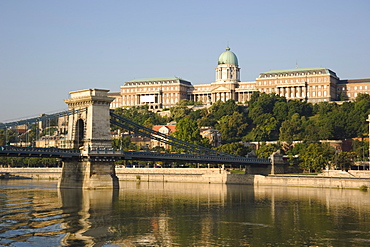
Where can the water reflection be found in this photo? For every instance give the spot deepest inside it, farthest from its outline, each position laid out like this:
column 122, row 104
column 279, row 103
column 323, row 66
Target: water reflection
column 176, row 214
column 87, row 216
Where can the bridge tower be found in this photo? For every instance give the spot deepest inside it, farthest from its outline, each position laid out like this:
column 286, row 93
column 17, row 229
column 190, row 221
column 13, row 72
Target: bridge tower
column 87, row 130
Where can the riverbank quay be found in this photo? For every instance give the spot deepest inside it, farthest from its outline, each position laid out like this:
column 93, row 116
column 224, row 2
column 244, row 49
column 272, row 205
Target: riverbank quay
column 328, row 179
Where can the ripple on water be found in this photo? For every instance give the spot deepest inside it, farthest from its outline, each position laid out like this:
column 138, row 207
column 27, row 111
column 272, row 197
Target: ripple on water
column 30, row 216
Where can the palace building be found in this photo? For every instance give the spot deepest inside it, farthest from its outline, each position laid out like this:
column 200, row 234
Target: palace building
column 310, row 84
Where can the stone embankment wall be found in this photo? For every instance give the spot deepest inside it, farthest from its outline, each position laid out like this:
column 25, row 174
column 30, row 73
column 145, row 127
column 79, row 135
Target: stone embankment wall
column 35, row 173
column 187, row 175
column 333, row 179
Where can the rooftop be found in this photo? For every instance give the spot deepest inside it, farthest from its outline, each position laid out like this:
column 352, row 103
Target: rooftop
column 364, row 80
column 314, row 69
column 160, row 80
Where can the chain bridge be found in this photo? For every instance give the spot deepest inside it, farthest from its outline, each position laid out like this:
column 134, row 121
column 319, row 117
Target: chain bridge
column 86, row 150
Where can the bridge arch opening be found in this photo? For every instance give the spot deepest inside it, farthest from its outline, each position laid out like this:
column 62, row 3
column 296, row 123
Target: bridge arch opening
column 80, row 132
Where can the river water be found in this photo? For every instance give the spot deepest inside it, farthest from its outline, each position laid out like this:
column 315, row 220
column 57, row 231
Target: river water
column 34, row 213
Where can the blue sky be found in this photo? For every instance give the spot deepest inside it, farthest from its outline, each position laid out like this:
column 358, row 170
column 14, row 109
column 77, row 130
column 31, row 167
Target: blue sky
column 49, row 48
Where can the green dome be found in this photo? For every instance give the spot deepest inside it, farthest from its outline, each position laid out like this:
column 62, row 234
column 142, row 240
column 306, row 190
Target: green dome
column 228, row 57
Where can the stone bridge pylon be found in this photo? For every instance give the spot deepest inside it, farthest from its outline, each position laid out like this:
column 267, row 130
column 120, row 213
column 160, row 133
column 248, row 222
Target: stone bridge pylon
column 88, row 130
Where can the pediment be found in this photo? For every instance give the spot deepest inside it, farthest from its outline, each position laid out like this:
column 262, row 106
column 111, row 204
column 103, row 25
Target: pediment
column 221, row 89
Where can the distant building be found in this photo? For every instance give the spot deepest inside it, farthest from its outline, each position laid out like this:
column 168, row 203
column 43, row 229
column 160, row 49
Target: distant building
column 164, row 129
column 157, row 93
column 349, row 89
column 213, row 135
column 314, row 85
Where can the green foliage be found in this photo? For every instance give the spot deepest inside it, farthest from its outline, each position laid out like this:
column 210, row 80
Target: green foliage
column 179, row 112
column 363, row 188
column 266, row 150
column 291, row 128
column 234, row 148
column 316, row 156
column 344, row 160
column 49, row 131
column 232, row 127
column 187, row 130
column 141, row 115
column 124, row 144
column 221, row 109
column 361, row 149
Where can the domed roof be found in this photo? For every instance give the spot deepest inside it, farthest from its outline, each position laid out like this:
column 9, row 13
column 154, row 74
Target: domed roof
column 228, row 57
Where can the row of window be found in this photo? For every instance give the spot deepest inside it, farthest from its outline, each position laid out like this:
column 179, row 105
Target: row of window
column 355, row 94
column 292, row 81
column 290, row 74
column 128, row 90
column 164, row 95
column 355, row 88
column 147, row 83
column 133, row 101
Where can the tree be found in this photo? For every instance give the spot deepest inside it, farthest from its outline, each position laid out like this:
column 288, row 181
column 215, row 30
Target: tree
column 281, row 111
column 232, row 127
column 265, row 151
column 344, row 160
column 234, row 148
column 124, row 143
column 179, row 112
column 221, row 109
column 141, row 115
column 316, row 156
column 187, row 130
column 264, row 131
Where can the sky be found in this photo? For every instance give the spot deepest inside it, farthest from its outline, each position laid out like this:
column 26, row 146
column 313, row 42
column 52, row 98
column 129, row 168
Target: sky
column 50, row 48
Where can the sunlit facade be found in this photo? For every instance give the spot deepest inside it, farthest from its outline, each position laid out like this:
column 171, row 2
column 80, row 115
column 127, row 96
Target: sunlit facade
column 314, row 85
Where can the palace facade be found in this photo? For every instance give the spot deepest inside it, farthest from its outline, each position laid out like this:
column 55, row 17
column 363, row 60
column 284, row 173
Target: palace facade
column 310, row 84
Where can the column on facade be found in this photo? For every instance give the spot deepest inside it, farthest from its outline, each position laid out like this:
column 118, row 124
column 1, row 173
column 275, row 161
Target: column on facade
column 293, row 92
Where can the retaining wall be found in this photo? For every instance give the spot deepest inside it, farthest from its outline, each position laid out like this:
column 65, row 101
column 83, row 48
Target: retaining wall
column 187, row 175
column 208, row 175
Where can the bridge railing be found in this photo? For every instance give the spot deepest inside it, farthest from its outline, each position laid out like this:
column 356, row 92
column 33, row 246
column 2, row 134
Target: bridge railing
column 132, row 155
column 36, row 151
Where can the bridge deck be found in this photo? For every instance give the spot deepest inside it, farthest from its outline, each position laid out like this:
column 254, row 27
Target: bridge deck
column 99, row 154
